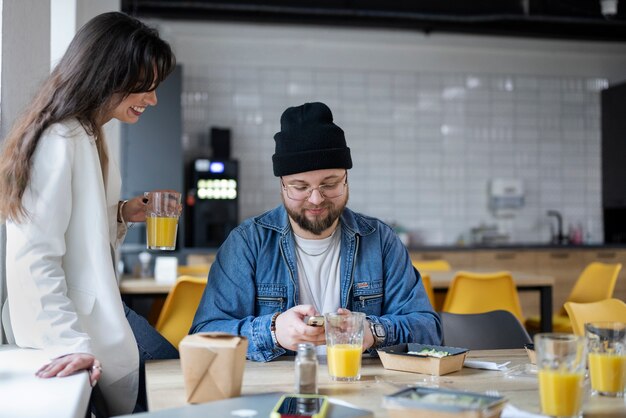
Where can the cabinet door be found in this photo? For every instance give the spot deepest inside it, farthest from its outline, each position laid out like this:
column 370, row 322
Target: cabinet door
column 512, row 260
column 565, row 266
column 612, row 256
column 152, row 152
column 457, row 259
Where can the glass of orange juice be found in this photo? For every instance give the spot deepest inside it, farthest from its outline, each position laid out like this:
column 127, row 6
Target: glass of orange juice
column 344, row 345
column 606, row 343
column 561, row 362
column 162, row 212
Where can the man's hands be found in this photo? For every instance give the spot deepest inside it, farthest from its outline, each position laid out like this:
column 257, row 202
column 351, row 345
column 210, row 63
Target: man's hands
column 368, row 337
column 291, row 329
column 70, row 364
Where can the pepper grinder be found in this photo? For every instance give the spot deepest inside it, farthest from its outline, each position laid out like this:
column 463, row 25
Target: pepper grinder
column 306, row 369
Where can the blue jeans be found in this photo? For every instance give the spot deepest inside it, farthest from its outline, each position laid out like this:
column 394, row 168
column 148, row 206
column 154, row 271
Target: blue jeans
column 152, row 346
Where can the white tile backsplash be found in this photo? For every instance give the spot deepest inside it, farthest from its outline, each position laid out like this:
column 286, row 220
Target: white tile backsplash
column 424, row 144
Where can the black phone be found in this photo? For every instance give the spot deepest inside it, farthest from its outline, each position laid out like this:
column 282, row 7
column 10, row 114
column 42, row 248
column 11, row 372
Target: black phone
column 298, row 406
column 314, row 321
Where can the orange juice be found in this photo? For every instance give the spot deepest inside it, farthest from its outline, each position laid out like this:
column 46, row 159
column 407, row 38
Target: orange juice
column 561, row 392
column 161, row 232
column 344, row 360
column 608, row 372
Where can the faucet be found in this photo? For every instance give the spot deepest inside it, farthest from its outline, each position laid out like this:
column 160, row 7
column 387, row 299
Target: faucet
column 558, row 238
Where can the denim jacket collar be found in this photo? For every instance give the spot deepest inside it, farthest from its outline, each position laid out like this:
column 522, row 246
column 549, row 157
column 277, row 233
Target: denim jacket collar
column 351, row 223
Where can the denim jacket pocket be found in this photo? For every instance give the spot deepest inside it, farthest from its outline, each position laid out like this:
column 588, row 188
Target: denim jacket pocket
column 369, row 300
column 270, row 298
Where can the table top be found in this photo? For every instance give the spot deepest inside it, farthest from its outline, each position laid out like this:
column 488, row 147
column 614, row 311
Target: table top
column 22, row 394
column 442, row 279
column 137, row 286
column 165, row 387
column 439, row 280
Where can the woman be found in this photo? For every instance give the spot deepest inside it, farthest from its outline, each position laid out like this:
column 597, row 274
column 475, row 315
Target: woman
column 61, row 204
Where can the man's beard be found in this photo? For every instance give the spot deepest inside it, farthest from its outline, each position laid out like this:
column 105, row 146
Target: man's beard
column 317, row 225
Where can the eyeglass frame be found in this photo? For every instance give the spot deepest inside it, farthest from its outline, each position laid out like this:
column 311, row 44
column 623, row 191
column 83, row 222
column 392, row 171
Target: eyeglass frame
column 310, row 189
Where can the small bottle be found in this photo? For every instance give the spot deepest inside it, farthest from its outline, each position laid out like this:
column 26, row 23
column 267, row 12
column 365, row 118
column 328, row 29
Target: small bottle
column 306, row 369
column 144, row 259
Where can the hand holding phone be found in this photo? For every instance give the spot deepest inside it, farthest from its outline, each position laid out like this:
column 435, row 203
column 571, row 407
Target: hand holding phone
column 314, row 321
column 298, row 406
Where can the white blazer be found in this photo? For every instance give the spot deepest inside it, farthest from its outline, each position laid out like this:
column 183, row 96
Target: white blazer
column 63, row 293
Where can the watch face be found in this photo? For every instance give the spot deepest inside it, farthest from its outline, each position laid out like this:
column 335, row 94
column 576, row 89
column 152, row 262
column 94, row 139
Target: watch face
column 379, row 330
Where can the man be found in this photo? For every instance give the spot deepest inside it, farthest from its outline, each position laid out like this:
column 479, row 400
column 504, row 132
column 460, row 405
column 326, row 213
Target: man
column 312, row 255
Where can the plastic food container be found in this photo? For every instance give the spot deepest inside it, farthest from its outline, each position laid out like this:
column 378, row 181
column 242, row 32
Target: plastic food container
column 418, row 402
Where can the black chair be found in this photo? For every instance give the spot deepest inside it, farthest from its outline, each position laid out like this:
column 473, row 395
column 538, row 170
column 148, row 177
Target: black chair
column 484, row 331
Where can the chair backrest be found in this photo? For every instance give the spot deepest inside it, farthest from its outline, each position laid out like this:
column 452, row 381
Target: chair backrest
column 432, row 265
column 596, row 282
column 484, row 331
column 180, row 307
column 428, row 287
column 483, row 292
column 197, row 270
column 603, row 310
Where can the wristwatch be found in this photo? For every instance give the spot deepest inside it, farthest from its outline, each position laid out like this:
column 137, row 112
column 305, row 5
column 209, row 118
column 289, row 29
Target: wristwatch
column 379, row 333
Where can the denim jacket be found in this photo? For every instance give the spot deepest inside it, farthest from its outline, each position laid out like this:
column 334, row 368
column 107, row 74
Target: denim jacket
column 255, row 275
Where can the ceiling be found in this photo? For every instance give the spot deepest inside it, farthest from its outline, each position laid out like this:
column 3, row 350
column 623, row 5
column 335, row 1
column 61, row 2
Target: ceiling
column 557, row 19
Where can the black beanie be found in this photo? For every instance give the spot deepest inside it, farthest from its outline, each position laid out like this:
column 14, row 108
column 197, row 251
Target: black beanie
column 309, row 140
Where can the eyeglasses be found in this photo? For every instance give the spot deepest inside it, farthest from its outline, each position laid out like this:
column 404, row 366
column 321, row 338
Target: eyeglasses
column 327, row 190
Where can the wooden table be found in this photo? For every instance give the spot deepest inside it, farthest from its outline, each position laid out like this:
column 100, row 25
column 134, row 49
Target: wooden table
column 131, row 288
column 165, row 388
column 525, row 282
column 144, row 287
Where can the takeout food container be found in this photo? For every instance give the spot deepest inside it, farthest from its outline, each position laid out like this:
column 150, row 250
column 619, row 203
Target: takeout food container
column 421, row 402
column 530, row 350
column 396, row 357
column 212, row 364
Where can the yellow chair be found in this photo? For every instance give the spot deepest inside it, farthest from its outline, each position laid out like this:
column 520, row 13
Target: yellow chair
column 472, row 293
column 426, row 266
column 432, row 265
column 596, row 282
column 180, row 307
column 429, row 288
column 197, row 270
column 603, row 310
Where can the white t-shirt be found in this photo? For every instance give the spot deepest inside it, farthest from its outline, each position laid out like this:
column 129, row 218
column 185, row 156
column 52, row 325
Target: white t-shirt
column 318, row 271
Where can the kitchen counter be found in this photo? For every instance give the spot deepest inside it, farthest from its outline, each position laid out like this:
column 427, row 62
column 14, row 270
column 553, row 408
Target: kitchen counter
column 515, row 246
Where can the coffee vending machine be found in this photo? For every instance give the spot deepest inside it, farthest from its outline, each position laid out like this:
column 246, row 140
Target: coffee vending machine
column 212, row 202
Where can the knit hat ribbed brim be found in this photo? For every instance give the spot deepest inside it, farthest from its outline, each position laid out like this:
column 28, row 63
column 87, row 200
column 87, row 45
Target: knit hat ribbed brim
column 309, row 140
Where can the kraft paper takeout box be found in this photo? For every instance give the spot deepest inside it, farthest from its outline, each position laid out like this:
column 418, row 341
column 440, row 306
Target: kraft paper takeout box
column 212, row 364
column 396, row 357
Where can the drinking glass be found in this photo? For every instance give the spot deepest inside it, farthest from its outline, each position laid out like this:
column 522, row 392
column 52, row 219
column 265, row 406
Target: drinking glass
column 344, row 345
column 561, row 362
column 606, row 343
column 162, row 212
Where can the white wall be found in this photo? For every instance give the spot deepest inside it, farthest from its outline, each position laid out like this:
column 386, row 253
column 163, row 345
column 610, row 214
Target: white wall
column 25, row 63
column 430, row 119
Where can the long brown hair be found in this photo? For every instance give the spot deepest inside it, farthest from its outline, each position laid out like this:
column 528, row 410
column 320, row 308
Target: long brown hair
column 111, row 56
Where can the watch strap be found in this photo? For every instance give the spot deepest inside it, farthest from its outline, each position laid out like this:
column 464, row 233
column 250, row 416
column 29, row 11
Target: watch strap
column 378, row 339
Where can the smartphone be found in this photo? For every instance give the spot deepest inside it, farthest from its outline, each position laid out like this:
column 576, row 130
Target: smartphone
column 298, row 406
column 314, row 321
